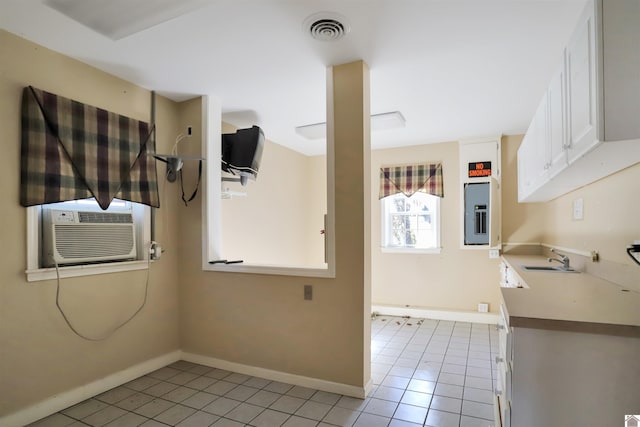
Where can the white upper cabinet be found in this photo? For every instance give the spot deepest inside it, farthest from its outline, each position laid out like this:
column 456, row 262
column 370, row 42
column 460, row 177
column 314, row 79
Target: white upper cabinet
column 587, row 125
column 543, row 154
column 525, row 186
column 556, row 153
column 581, row 86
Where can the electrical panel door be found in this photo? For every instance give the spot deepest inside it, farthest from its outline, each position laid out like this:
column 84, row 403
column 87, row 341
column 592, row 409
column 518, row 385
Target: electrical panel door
column 477, row 213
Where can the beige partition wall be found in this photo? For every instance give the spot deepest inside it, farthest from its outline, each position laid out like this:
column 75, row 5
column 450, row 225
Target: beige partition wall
column 262, row 321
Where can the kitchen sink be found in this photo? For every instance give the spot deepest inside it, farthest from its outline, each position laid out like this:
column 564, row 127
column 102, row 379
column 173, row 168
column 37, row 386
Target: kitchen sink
column 558, row 269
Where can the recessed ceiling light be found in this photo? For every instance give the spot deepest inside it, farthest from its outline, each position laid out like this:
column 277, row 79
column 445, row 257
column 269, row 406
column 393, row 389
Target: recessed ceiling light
column 326, row 26
column 382, row 121
column 118, row 19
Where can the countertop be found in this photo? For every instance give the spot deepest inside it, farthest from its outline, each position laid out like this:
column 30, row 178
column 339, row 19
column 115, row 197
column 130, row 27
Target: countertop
column 576, row 302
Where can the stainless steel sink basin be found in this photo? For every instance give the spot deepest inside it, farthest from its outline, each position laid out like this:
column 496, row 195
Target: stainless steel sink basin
column 557, row 269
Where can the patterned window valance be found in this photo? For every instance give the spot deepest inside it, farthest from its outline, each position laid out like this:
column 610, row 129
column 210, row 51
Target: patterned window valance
column 74, row 151
column 408, row 179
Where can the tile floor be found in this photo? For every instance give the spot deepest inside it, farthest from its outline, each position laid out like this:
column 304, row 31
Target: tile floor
column 424, row 372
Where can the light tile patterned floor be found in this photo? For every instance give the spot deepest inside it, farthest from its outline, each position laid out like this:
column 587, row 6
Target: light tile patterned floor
column 425, row 373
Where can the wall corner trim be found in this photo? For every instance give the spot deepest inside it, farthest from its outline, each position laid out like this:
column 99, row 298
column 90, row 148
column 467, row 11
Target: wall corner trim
column 299, row 380
column 69, row 398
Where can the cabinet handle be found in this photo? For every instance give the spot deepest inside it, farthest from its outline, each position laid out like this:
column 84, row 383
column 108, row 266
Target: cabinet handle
column 499, row 359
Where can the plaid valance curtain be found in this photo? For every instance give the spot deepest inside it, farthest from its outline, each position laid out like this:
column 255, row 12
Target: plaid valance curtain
column 74, row 151
column 408, row 179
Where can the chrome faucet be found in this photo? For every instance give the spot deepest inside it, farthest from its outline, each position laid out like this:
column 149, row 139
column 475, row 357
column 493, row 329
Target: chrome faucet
column 564, row 260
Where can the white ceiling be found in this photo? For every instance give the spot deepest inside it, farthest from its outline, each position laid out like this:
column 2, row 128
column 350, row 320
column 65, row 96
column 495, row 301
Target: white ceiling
column 455, row 69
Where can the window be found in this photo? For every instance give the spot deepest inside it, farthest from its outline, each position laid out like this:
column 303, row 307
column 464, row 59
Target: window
column 215, row 253
column 116, row 205
column 35, row 239
column 411, row 223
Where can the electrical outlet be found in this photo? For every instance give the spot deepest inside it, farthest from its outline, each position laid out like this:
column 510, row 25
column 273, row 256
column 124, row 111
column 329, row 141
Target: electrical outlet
column 494, row 253
column 155, row 251
column 308, row 292
column 483, row 307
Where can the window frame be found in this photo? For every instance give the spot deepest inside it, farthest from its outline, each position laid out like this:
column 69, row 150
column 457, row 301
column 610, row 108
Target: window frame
column 385, row 218
column 142, row 219
column 212, row 205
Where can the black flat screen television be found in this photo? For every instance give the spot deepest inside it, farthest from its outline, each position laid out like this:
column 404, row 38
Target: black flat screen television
column 242, row 152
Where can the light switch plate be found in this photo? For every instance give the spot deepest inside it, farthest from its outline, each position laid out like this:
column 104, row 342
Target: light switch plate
column 578, row 209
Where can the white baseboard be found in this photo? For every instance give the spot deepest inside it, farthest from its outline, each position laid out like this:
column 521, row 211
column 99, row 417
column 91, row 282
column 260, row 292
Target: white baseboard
column 426, row 313
column 315, row 383
column 367, row 388
column 69, row 398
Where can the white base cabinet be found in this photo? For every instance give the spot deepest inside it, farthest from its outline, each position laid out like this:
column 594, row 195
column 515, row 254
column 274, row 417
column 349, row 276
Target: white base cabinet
column 504, row 364
column 562, row 378
column 590, row 108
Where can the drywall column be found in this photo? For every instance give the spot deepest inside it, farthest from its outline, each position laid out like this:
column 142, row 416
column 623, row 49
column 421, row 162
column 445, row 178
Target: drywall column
column 348, row 136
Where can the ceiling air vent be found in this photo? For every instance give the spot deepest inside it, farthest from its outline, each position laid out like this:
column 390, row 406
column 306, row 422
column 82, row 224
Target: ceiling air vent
column 326, row 26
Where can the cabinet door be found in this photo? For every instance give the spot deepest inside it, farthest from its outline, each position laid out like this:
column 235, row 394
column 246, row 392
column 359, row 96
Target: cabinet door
column 581, row 90
column 531, row 155
column 494, row 213
column 525, row 166
column 556, row 129
column 539, row 154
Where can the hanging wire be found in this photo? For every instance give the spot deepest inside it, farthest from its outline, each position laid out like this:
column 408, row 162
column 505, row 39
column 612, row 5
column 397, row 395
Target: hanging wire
column 109, row 334
column 174, row 149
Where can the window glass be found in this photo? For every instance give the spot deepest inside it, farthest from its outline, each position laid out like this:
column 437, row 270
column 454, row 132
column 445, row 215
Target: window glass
column 411, row 222
column 91, row 204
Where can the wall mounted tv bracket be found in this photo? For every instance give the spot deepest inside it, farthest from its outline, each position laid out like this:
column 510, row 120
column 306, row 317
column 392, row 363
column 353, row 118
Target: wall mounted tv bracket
column 174, row 164
column 174, row 168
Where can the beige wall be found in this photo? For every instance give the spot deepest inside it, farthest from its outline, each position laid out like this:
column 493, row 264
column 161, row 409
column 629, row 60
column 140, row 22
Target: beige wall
column 454, row 279
column 39, row 356
column 610, row 223
column 317, row 189
column 611, row 220
column 263, row 321
column 459, row 279
column 279, row 220
column 521, row 222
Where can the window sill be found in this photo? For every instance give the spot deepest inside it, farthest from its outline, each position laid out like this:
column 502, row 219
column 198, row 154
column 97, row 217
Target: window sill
column 85, row 270
column 427, row 251
column 271, row 270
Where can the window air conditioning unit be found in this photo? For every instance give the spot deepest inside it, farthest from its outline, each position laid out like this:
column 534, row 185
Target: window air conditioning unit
column 79, row 237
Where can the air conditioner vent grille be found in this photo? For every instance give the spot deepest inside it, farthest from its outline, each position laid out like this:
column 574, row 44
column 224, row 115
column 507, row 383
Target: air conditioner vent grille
column 88, row 241
column 105, row 217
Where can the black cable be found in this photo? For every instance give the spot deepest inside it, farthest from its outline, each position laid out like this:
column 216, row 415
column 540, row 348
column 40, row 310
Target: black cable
column 197, row 184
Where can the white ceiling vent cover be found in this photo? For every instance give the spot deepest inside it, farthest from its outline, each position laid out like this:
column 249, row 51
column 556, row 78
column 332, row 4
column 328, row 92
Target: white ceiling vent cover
column 326, row 26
